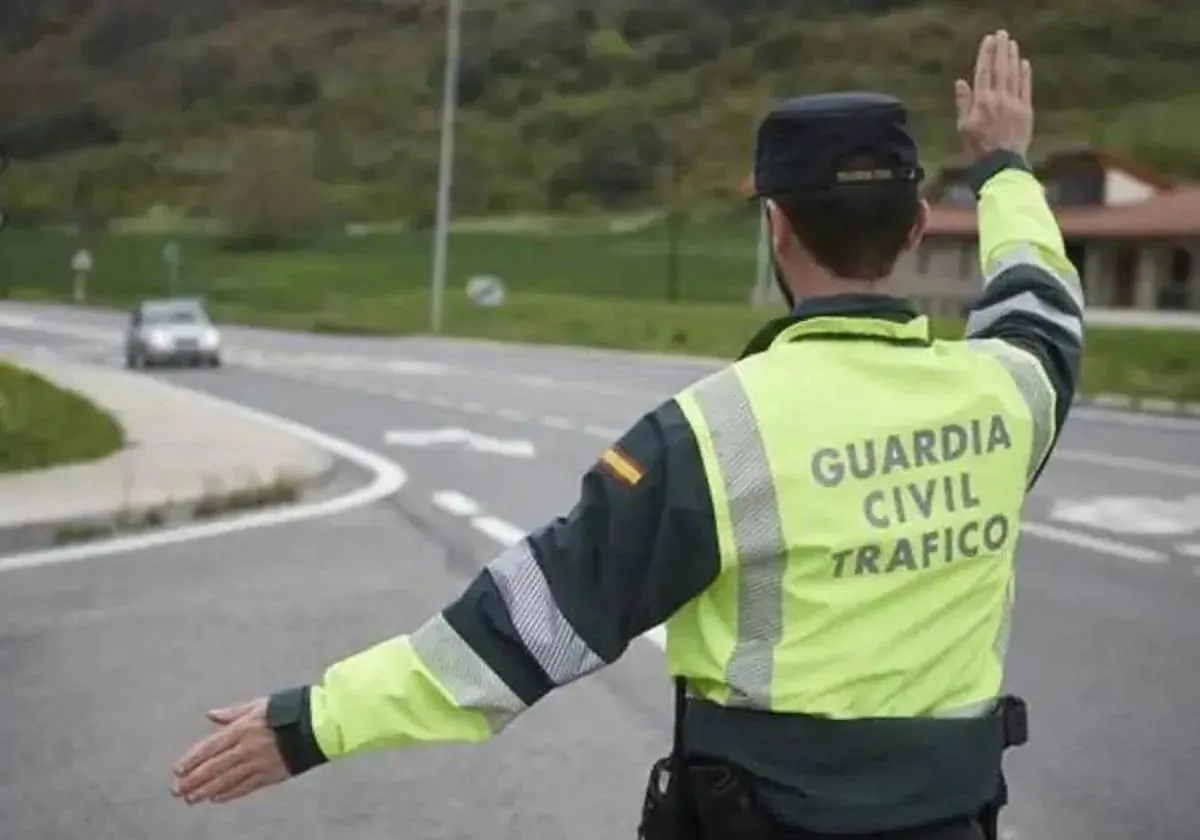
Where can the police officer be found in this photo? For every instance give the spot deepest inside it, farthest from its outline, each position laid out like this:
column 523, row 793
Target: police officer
column 826, row 527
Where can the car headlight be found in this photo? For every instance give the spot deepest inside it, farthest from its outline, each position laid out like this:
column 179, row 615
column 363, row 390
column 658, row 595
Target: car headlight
column 209, row 339
column 160, row 339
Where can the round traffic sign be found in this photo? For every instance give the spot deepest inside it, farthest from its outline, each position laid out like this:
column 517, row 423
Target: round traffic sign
column 486, row 290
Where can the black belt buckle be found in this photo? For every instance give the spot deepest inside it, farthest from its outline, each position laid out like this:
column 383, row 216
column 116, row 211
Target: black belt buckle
column 1015, row 717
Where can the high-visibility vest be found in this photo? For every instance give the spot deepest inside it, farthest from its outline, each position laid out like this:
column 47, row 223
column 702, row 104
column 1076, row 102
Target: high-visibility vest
column 867, row 485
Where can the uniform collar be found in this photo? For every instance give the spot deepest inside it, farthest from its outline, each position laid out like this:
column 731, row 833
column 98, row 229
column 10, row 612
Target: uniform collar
column 863, row 316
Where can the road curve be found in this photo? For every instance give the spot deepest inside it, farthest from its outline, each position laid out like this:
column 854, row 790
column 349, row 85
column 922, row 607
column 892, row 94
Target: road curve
column 106, row 665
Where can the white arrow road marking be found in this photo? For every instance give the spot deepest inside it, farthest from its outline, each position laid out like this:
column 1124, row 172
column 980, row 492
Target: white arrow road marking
column 15, row 321
column 1145, row 515
column 416, row 368
column 469, row 439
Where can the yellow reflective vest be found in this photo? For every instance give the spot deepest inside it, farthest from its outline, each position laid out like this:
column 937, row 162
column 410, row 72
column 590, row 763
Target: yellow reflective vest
column 845, row 533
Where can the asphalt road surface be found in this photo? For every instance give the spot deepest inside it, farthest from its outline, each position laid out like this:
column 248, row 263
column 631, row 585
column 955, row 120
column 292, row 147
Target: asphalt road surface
column 106, row 665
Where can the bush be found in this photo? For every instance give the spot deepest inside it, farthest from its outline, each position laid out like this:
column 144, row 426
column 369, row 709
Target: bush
column 42, row 425
column 271, row 195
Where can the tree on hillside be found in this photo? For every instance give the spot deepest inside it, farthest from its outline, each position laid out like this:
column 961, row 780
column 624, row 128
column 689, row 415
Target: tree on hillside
column 271, row 194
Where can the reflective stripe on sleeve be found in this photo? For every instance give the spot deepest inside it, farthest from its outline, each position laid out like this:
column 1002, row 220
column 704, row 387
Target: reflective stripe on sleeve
column 1035, row 388
column 749, row 490
column 546, row 632
column 1027, row 303
column 469, row 681
column 1064, row 272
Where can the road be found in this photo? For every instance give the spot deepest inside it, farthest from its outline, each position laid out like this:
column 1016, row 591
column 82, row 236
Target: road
column 107, row 664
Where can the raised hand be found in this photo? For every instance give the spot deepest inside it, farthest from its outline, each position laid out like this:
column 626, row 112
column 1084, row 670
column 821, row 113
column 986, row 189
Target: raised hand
column 997, row 111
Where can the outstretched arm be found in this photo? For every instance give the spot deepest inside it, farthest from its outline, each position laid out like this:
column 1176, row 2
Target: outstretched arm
column 561, row 603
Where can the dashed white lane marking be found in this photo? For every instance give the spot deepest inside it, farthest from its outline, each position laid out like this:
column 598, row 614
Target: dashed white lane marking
column 456, row 503
column 1078, row 539
column 557, row 422
column 502, row 532
column 1192, row 550
column 602, row 432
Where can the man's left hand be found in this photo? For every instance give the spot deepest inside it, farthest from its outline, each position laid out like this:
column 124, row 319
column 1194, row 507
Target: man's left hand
column 238, row 759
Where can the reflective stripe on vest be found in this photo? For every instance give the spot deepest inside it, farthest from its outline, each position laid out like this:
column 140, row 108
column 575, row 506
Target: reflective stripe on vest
column 752, row 640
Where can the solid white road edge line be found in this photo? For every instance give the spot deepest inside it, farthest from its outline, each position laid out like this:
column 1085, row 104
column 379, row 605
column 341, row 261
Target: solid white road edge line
column 387, row 478
column 1167, row 422
column 1125, row 462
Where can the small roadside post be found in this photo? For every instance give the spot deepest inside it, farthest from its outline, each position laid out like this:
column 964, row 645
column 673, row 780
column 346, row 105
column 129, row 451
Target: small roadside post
column 81, row 265
column 172, row 257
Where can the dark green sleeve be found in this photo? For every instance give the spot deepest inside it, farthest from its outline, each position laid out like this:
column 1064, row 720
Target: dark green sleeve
column 638, row 544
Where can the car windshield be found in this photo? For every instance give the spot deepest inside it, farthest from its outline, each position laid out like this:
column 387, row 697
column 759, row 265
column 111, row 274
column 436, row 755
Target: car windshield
column 174, row 315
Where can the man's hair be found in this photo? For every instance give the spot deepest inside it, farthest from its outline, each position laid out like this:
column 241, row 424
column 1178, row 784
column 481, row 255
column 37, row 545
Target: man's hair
column 855, row 231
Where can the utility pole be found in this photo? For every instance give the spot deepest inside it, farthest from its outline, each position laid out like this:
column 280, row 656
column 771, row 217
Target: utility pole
column 674, row 224
column 441, row 230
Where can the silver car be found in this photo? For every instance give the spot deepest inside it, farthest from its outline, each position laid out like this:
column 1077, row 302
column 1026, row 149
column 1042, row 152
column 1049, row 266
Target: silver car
column 171, row 332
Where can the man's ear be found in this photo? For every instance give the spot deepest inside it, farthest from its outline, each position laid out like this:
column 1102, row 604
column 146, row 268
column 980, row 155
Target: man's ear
column 919, row 226
column 780, row 229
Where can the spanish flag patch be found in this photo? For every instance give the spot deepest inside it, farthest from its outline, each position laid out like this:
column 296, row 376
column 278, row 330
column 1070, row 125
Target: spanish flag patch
column 621, row 466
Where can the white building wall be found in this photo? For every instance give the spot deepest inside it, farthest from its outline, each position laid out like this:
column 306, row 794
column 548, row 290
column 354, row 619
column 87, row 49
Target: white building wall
column 1122, row 188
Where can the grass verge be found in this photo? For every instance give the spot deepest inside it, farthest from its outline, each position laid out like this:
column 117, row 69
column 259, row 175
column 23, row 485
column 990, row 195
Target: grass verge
column 42, row 425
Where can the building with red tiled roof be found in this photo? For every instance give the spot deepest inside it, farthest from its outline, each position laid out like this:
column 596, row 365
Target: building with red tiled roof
column 1132, row 232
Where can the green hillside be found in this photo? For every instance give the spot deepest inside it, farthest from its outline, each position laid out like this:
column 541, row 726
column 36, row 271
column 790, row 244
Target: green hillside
column 119, row 105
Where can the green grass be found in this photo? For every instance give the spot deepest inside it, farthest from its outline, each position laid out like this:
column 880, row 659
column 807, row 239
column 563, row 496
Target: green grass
column 42, row 425
column 586, row 288
column 716, row 264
